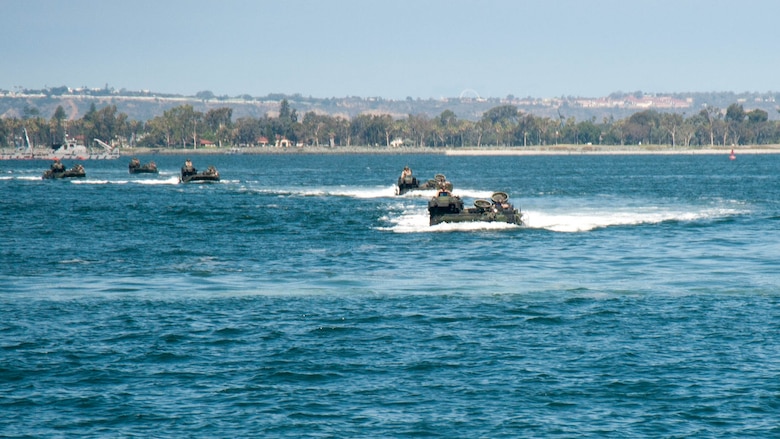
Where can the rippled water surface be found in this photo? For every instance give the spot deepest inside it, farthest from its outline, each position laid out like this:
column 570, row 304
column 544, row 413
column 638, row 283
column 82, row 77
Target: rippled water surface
column 300, row 297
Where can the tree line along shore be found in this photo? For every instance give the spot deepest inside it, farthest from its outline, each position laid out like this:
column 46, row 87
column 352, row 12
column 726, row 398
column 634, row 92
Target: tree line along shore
column 465, row 151
column 501, row 128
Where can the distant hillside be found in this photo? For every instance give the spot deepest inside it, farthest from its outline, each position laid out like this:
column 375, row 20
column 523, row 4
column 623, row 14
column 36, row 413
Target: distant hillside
column 143, row 106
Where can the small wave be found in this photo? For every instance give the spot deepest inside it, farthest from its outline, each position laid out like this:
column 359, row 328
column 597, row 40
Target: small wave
column 383, row 192
column 94, row 182
column 74, row 262
column 170, row 180
column 22, row 177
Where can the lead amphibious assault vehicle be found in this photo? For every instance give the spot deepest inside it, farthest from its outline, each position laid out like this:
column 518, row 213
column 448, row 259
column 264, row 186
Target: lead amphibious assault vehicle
column 448, row 208
column 191, row 175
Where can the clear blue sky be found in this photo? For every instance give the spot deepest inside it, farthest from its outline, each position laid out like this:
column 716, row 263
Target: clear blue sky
column 393, row 48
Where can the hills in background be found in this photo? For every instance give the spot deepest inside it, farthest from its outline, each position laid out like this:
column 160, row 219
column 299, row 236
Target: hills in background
column 145, row 105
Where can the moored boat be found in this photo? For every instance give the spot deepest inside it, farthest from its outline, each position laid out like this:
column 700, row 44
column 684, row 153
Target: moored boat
column 135, row 167
column 72, row 148
column 448, row 208
column 27, row 154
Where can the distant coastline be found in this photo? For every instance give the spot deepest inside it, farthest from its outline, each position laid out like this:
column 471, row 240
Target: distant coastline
column 457, row 151
column 554, row 128
column 145, row 105
column 468, row 151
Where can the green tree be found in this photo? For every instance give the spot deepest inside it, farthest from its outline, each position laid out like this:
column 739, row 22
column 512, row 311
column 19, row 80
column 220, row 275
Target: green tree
column 588, row 133
column 218, row 124
column 502, row 122
column 58, row 123
column 671, row 123
column 707, row 122
column 735, row 122
column 314, row 127
column 419, row 127
column 757, row 129
column 106, row 124
column 179, row 125
column 204, row 95
column 158, row 132
column 286, row 122
column 757, row 116
column 615, row 134
column 6, row 132
column 641, row 126
column 246, row 131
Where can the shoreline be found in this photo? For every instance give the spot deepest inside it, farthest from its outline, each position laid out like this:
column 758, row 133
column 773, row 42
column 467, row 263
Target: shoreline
column 618, row 151
column 464, row 151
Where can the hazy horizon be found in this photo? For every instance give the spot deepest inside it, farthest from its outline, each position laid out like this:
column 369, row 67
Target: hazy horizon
column 464, row 94
column 393, row 50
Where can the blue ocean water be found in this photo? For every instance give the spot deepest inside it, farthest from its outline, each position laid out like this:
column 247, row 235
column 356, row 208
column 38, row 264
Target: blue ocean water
column 300, row 297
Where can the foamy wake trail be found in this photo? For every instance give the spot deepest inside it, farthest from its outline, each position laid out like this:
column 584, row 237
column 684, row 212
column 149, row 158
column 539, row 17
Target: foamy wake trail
column 168, row 181
column 354, row 192
column 591, row 219
column 415, row 219
column 426, row 194
column 74, row 181
column 407, row 222
column 351, row 192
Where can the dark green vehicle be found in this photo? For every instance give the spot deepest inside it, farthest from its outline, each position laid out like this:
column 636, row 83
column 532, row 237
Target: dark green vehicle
column 409, row 182
column 448, row 208
column 191, row 175
column 58, row 171
column 135, row 167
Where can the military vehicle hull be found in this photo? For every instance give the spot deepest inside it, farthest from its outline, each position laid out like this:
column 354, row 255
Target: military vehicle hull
column 211, row 175
column 448, row 208
column 148, row 168
column 74, row 172
column 411, row 183
column 200, row 178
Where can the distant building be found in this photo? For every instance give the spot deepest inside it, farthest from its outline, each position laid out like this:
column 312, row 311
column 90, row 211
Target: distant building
column 633, row 102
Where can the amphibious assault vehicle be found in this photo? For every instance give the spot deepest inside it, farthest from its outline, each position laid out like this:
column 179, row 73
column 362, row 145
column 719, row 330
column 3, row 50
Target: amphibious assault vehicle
column 135, row 167
column 410, row 183
column 191, row 175
column 76, row 171
column 448, row 208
